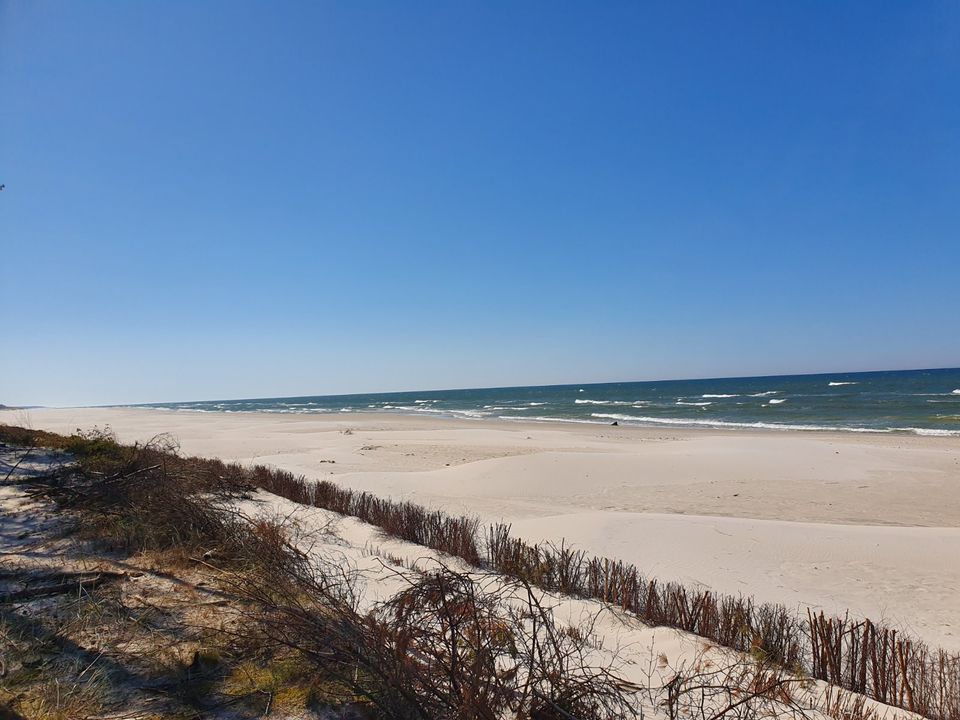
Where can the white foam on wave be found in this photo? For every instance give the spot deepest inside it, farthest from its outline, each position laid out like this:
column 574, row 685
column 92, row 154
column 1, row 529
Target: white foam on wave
column 835, row 384
column 765, row 394
column 289, row 410
column 955, row 392
column 645, row 420
column 536, row 404
column 931, row 431
column 421, row 409
column 584, row 401
column 421, row 402
column 720, row 423
column 709, row 395
column 412, row 408
column 776, row 401
column 472, row 414
column 698, row 404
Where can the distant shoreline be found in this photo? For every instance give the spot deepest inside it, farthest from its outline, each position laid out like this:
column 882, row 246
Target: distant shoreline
column 717, row 426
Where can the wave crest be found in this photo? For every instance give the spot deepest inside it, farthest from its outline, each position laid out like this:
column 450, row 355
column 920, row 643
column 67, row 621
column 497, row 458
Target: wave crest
column 644, row 420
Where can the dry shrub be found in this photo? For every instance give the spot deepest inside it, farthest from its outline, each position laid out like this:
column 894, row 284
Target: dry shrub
column 481, row 648
column 446, row 646
column 739, row 688
column 143, row 497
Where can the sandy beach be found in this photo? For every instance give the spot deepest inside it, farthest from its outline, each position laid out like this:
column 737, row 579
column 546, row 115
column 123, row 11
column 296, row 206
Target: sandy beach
column 865, row 522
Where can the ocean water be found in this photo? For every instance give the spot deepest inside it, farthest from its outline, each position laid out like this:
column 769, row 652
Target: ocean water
column 923, row 402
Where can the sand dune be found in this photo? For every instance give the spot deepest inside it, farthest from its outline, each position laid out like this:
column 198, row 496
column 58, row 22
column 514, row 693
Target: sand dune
column 865, row 522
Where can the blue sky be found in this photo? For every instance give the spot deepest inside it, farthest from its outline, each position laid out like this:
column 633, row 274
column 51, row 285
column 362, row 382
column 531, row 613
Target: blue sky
column 235, row 199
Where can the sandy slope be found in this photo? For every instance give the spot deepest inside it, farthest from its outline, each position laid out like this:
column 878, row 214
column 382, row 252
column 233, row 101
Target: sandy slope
column 377, row 566
column 866, row 522
column 645, row 656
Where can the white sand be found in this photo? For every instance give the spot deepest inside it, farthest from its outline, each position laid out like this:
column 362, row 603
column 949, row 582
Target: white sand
column 379, row 566
column 865, row 522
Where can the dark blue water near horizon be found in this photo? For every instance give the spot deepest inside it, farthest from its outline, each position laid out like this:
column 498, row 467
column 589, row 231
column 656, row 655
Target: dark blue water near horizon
column 923, row 402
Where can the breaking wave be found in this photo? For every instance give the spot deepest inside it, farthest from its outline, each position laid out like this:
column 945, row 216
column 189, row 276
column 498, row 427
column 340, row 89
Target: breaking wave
column 644, row 420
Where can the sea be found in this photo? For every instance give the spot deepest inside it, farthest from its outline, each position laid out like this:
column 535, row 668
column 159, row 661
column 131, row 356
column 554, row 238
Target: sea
column 922, row 402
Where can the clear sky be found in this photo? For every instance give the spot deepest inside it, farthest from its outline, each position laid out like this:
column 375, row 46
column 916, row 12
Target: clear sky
column 233, row 199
